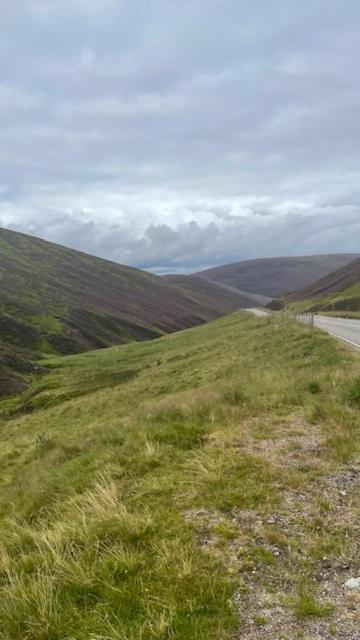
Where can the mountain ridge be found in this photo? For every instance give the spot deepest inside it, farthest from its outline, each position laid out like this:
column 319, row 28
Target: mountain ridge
column 275, row 277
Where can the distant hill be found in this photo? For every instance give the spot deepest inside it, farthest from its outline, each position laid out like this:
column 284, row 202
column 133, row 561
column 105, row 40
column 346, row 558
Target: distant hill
column 209, row 292
column 57, row 300
column 337, row 293
column 274, row 277
column 334, row 282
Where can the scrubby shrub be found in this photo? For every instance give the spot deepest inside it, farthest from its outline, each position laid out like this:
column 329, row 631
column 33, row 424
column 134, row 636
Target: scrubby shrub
column 276, row 305
column 313, row 387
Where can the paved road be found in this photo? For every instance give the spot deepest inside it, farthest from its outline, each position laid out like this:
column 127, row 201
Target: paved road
column 258, row 312
column 348, row 330
column 341, row 328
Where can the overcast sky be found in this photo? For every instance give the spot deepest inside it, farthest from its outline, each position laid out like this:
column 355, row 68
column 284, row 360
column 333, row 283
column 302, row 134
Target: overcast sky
column 176, row 135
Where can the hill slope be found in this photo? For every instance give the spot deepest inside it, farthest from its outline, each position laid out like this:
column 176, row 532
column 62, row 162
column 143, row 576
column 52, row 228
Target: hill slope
column 206, row 291
column 54, row 299
column 337, row 281
column 338, row 293
column 273, row 277
column 200, row 486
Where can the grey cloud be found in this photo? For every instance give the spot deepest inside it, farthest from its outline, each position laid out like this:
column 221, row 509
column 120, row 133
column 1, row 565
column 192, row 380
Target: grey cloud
column 178, row 135
column 190, row 246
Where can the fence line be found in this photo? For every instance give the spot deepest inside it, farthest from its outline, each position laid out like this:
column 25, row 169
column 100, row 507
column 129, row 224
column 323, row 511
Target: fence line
column 305, row 319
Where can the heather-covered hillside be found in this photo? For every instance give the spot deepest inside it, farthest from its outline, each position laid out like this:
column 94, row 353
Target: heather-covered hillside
column 57, row 300
column 275, row 277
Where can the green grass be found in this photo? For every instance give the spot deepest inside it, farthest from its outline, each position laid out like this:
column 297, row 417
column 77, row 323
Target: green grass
column 308, row 607
column 108, row 460
column 47, row 323
column 344, row 303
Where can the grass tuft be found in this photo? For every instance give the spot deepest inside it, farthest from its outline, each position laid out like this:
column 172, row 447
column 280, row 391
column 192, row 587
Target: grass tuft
column 307, row 606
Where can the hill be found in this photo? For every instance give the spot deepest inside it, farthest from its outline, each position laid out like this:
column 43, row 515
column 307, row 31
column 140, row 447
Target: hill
column 335, row 282
column 57, row 300
column 204, row 485
column 274, row 277
column 207, row 291
column 337, row 293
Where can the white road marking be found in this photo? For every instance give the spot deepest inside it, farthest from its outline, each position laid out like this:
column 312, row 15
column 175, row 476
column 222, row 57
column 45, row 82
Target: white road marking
column 334, row 335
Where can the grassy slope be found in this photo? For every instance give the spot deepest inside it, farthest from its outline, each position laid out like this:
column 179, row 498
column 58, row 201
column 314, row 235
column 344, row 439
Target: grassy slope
column 275, row 277
column 343, row 303
column 56, row 300
column 339, row 293
column 189, row 488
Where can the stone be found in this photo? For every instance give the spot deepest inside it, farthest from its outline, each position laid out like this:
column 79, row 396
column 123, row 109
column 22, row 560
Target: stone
column 353, row 584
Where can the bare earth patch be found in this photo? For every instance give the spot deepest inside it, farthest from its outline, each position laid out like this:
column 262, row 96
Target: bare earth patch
column 293, row 563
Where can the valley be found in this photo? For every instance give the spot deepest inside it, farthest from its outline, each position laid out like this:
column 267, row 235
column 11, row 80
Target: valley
column 179, row 320
column 194, row 476
column 57, row 300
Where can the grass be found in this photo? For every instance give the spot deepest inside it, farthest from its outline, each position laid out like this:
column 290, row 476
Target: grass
column 136, row 482
column 46, row 309
column 308, row 607
column 344, row 304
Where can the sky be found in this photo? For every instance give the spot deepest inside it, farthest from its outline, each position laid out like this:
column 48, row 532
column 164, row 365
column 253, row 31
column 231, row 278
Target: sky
column 175, row 136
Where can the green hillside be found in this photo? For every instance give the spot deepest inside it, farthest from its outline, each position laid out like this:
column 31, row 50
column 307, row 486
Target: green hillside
column 202, row 486
column 342, row 303
column 56, row 300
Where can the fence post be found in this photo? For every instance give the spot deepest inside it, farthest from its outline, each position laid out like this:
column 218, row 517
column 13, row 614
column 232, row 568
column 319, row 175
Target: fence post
column 305, row 319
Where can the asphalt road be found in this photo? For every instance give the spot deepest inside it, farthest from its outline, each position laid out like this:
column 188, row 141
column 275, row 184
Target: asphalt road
column 258, row 312
column 341, row 328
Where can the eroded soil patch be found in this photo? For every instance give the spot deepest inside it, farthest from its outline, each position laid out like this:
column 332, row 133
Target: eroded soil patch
column 292, row 562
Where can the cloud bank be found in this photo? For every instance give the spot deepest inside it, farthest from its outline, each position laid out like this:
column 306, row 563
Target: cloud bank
column 176, row 136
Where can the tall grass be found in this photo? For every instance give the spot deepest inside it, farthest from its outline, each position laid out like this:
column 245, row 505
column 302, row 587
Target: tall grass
column 100, row 471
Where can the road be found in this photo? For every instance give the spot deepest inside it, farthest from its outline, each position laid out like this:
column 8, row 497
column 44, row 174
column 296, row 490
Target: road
column 341, row 328
column 258, row 312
